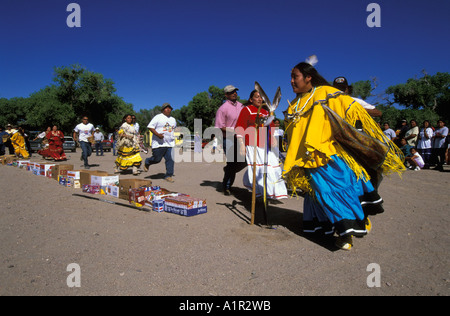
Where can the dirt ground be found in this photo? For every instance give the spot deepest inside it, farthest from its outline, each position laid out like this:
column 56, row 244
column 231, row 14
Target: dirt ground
column 122, row 251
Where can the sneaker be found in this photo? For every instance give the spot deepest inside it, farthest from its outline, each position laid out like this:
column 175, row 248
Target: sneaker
column 417, row 169
column 146, row 167
column 169, row 179
column 227, row 192
column 344, row 242
column 116, row 170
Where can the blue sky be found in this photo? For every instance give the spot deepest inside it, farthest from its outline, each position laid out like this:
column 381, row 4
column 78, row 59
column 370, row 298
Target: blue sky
column 168, row 51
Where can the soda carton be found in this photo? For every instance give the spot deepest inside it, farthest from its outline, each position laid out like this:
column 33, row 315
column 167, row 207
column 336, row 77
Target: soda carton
column 91, row 188
column 185, row 205
column 158, row 205
column 136, row 196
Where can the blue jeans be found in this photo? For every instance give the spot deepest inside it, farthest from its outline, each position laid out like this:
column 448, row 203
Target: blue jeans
column 99, row 144
column 157, row 156
column 86, row 149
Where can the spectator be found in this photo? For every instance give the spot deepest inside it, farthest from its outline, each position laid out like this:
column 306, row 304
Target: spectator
column 98, row 137
column 412, row 133
column 439, row 145
column 415, row 160
column 405, row 148
column 424, row 143
column 390, row 134
column 3, row 138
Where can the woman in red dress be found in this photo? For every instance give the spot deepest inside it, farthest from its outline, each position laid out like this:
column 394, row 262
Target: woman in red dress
column 55, row 145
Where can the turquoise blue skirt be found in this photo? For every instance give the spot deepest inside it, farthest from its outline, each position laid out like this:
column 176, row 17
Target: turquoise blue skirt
column 339, row 197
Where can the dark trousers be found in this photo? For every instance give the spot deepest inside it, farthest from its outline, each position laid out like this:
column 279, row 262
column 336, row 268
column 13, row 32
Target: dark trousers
column 157, row 155
column 235, row 162
column 99, row 145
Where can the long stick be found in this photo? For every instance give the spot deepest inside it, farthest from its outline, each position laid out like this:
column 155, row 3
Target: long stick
column 254, row 166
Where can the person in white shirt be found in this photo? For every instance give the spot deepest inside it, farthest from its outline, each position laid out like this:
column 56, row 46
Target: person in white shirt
column 81, row 133
column 416, row 160
column 98, row 137
column 424, row 144
column 439, row 148
column 163, row 127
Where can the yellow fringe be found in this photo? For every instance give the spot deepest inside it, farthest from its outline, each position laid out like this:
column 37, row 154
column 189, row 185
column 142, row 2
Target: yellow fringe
column 296, row 179
column 394, row 162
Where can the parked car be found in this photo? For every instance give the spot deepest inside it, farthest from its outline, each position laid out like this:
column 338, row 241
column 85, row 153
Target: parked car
column 35, row 144
column 107, row 145
column 69, row 144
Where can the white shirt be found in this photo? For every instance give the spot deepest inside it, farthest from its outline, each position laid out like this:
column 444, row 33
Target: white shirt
column 440, row 142
column 390, row 133
column 84, row 131
column 166, row 126
column 98, row 136
column 424, row 142
column 364, row 104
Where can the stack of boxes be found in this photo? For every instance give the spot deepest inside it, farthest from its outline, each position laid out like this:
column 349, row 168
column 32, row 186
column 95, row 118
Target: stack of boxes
column 137, row 191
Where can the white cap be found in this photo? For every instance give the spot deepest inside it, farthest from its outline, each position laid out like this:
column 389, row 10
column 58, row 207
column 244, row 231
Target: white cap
column 229, row 89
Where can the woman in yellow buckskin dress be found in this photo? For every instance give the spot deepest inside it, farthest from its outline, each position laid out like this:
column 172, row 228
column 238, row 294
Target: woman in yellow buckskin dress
column 128, row 144
column 336, row 184
column 18, row 142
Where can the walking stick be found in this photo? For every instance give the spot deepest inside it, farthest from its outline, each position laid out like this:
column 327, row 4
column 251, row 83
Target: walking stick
column 272, row 107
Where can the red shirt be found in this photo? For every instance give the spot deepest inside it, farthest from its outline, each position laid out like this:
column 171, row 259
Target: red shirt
column 245, row 126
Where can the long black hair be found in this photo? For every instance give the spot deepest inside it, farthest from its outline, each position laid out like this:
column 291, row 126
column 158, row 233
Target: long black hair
column 308, row 70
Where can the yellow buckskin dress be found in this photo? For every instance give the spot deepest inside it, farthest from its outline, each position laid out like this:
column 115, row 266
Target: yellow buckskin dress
column 128, row 148
column 337, row 188
column 18, row 142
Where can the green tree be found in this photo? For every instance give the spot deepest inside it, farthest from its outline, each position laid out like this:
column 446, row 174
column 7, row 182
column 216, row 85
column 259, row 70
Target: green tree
column 89, row 93
column 203, row 106
column 427, row 92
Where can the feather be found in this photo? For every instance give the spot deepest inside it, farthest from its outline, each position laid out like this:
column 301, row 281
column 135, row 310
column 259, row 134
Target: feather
column 276, row 100
column 262, row 94
column 312, row 60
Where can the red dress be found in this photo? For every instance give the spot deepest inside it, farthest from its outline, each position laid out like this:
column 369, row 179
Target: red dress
column 55, row 146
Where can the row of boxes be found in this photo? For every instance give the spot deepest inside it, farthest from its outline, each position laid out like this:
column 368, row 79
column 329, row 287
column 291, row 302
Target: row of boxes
column 137, row 191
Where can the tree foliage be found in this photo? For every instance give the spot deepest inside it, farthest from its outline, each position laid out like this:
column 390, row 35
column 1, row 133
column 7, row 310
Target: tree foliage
column 76, row 92
column 427, row 92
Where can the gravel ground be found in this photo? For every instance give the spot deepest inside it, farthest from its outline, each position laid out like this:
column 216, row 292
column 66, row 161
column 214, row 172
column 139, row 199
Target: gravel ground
column 122, row 251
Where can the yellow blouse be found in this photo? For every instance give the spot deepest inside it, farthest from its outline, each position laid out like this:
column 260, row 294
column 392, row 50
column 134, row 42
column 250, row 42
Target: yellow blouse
column 310, row 138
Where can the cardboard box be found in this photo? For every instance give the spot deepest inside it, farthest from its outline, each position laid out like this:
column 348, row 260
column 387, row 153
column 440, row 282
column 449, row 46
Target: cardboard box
column 104, row 180
column 8, row 159
column 158, row 205
column 126, row 184
column 30, row 166
column 85, row 175
column 44, row 168
column 137, row 196
column 111, row 190
column 91, row 188
column 60, row 170
column 183, row 211
column 22, row 163
column 74, row 174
